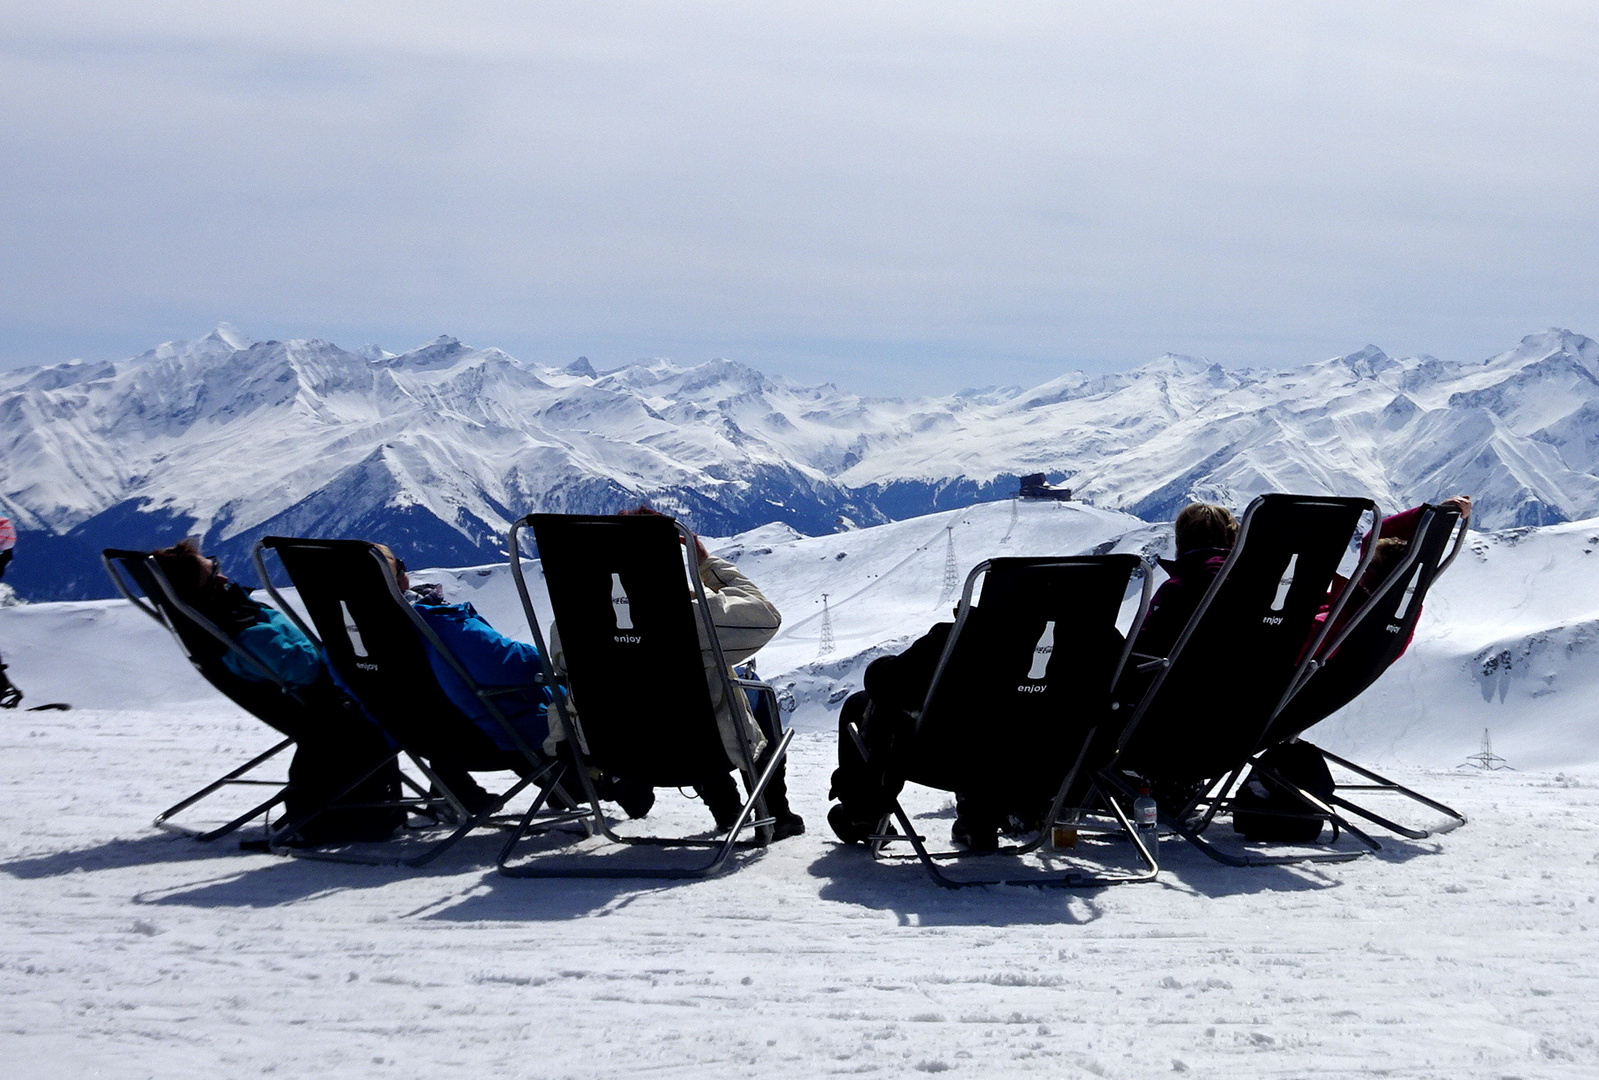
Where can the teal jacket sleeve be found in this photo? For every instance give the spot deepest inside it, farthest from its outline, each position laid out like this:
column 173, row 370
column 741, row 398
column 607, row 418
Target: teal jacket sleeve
column 279, row 645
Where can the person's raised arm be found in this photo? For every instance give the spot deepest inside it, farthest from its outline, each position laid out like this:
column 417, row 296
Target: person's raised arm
column 744, row 618
column 1402, row 526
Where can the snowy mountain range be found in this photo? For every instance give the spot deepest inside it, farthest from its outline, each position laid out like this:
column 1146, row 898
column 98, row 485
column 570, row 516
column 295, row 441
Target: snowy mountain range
column 435, row 450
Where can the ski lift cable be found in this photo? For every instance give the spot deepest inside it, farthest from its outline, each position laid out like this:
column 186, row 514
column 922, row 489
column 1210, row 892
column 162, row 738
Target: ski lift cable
column 878, row 580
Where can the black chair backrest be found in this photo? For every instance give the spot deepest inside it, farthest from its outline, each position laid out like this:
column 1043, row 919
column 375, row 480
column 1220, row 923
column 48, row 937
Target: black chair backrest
column 1026, row 673
column 1354, row 655
column 369, row 637
column 205, row 645
column 620, row 593
column 1240, row 652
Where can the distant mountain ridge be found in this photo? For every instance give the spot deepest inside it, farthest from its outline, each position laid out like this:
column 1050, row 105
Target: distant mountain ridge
column 436, row 449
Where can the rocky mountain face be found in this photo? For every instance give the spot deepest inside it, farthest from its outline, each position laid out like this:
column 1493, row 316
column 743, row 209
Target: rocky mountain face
column 436, row 450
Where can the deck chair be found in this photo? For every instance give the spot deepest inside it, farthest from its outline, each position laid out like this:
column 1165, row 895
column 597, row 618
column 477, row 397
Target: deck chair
column 627, row 604
column 373, row 640
column 1020, row 701
column 1236, row 663
column 294, row 712
column 1354, row 655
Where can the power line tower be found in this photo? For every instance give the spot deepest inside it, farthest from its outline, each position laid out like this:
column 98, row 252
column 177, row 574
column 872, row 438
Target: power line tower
column 952, row 577
column 825, row 646
column 1014, row 512
column 1485, row 759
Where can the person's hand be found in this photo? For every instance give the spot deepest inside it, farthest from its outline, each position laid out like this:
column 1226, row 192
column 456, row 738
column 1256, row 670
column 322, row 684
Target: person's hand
column 1461, row 503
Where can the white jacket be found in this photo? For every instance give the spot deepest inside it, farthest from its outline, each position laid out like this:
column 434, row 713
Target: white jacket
column 744, row 619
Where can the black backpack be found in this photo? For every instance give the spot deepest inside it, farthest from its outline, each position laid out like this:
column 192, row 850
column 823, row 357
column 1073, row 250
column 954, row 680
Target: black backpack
column 1264, row 809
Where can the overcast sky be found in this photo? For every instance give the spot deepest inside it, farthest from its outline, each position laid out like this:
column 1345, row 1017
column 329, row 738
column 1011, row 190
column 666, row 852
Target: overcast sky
column 919, row 195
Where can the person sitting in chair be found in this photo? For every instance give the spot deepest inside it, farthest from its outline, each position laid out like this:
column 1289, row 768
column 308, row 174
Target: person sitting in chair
column 895, row 688
column 327, row 754
column 493, row 661
column 1205, row 535
column 1393, row 543
column 10, row 696
column 745, row 620
column 261, row 631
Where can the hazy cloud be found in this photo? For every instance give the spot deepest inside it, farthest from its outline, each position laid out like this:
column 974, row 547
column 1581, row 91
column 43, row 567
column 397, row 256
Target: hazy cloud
column 925, row 194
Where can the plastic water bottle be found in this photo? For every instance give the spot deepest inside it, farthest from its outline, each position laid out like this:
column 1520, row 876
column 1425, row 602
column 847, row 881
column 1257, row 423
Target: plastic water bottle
column 1145, row 821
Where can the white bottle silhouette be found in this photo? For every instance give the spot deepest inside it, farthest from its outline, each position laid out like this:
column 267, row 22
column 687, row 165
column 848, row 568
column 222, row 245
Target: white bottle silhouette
column 620, row 604
column 1410, row 595
column 352, row 630
column 1042, row 651
column 1285, row 584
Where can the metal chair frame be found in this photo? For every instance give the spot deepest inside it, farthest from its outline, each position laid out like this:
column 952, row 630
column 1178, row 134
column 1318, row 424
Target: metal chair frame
column 547, row 774
column 109, row 558
column 1375, row 781
column 1083, row 815
column 1215, row 797
column 752, row 814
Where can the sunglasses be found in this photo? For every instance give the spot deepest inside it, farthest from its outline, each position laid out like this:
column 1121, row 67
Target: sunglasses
column 399, row 566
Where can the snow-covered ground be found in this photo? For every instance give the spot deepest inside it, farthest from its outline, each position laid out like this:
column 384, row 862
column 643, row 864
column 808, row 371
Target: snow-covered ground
column 128, row 953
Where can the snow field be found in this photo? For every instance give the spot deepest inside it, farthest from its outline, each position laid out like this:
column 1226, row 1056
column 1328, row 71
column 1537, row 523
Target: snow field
column 130, row 953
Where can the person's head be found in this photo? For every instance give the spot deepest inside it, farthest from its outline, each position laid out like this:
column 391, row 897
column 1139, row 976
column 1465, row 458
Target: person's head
column 1389, row 551
column 643, row 510
column 190, row 573
column 1205, row 525
column 396, row 564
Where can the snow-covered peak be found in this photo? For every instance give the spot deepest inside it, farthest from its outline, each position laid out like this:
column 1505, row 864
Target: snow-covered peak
column 302, row 435
column 1552, row 342
column 442, row 351
column 219, row 343
column 1176, row 364
column 1370, row 361
column 229, row 335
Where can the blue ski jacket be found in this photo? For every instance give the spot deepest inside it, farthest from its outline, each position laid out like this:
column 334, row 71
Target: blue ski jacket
column 493, row 661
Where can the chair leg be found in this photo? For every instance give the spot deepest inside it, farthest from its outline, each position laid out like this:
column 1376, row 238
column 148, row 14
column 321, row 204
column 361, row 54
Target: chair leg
column 1316, row 806
column 1382, row 783
column 230, row 779
column 443, row 845
column 722, row 848
column 279, row 839
column 1044, row 879
column 1070, row 879
column 1193, row 830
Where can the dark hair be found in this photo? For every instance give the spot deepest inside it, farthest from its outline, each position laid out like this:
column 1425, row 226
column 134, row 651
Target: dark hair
column 186, row 569
column 1205, row 525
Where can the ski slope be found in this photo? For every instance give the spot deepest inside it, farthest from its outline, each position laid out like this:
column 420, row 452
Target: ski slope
column 128, row 953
